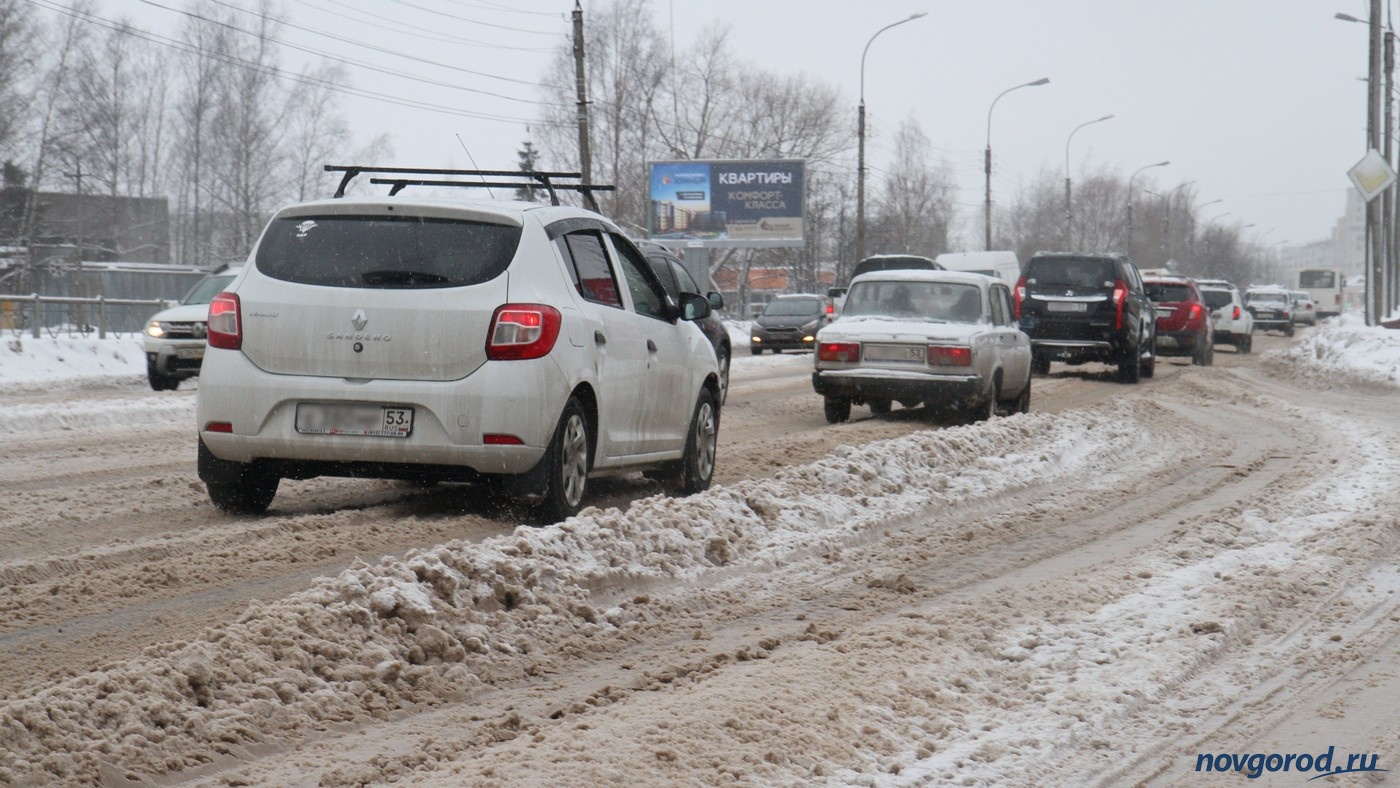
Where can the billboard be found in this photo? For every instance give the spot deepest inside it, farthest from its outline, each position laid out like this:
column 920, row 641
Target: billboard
column 729, row 201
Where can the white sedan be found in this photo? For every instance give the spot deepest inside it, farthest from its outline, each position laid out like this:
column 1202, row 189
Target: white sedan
column 943, row 339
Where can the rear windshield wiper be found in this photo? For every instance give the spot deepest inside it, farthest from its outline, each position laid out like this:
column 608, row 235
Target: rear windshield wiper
column 393, row 276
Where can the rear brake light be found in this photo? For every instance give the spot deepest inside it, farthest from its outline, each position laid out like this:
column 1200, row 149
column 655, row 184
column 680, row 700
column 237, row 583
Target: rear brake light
column 1120, row 296
column 225, row 322
column 949, row 356
column 1236, row 315
column 522, row 331
column 831, row 309
column 219, row 426
column 493, row 439
column 1018, row 294
column 843, row 352
column 1196, row 311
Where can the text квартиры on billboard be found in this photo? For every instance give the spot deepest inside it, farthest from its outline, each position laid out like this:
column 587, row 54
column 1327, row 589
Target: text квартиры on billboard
column 734, row 200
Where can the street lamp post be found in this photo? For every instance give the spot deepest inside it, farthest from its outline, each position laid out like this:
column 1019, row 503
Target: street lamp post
column 988, row 160
column 1130, row 201
column 860, row 133
column 1167, row 216
column 1069, row 206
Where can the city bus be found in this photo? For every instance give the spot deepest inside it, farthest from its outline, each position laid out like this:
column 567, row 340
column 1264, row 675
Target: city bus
column 1326, row 287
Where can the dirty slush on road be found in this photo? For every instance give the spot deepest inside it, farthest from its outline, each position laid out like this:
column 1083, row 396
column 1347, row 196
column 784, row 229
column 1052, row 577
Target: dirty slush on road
column 1087, row 594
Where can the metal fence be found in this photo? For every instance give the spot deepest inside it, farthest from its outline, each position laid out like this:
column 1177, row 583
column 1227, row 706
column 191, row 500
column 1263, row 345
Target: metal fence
column 38, row 315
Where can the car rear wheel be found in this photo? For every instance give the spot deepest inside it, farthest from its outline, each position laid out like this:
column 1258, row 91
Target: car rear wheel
column 1288, row 330
column 986, row 410
column 879, row 407
column 757, row 351
column 1130, row 367
column 236, row 487
column 697, row 466
column 1245, row 345
column 1040, row 364
column 837, row 410
column 1023, row 403
column 567, row 468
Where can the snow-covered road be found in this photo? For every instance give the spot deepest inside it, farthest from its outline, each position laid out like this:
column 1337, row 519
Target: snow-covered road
column 1099, row 592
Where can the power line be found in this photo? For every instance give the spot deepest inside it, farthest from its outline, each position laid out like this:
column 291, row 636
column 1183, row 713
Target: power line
column 231, row 60
column 474, row 21
column 417, row 30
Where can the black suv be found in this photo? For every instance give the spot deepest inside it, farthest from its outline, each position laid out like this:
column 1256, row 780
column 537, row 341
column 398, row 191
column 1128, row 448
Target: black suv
column 676, row 279
column 1087, row 307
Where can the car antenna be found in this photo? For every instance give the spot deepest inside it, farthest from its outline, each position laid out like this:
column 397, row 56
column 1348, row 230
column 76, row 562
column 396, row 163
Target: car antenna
column 474, row 164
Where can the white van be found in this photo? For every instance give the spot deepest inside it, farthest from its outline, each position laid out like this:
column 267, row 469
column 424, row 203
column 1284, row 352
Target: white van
column 998, row 265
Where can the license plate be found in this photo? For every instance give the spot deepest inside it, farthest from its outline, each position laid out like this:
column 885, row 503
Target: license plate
column 912, row 353
column 1066, row 306
column 380, row 421
column 190, row 353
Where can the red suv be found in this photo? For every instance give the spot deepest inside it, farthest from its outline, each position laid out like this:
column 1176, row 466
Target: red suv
column 1184, row 325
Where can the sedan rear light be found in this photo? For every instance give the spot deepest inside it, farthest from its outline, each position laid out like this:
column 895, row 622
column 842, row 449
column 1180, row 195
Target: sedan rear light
column 949, row 356
column 225, row 322
column 842, row 352
column 1018, row 294
column 1236, row 313
column 1197, row 312
column 521, row 332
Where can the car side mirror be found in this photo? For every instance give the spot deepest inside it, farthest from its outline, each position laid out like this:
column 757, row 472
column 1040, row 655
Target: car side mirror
column 694, row 306
column 716, row 300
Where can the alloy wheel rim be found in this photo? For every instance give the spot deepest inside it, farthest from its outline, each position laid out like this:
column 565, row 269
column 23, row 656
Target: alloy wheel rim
column 705, row 440
column 575, row 460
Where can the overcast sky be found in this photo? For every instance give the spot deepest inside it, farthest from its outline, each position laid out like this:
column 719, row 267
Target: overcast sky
column 1260, row 103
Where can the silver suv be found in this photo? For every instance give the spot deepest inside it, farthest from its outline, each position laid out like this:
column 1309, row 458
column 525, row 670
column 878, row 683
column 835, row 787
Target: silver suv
column 521, row 345
column 174, row 338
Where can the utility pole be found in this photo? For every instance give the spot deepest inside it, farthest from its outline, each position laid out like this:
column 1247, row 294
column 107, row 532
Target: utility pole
column 1374, row 236
column 1392, row 233
column 77, row 176
column 585, row 160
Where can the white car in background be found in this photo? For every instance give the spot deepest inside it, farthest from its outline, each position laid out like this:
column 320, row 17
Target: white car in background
column 943, row 339
column 1233, row 323
column 1304, row 308
column 444, row 340
column 174, row 338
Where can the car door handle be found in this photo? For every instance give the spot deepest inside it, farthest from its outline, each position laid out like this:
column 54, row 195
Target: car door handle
column 651, row 346
column 598, row 338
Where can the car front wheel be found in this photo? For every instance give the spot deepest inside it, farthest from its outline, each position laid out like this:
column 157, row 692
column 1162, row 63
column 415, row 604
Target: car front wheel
column 236, row 487
column 160, row 382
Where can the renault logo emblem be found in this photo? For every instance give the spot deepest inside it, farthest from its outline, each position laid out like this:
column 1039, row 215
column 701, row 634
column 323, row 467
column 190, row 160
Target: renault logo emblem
column 359, row 321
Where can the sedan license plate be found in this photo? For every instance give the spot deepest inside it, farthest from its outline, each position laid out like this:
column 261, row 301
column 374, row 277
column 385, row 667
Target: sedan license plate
column 1066, row 306
column 190, row 353
column 380, row 421
column 909, row 353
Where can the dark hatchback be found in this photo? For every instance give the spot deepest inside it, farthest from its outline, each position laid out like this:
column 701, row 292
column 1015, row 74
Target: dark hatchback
column 676, row 279
column 1078, row 308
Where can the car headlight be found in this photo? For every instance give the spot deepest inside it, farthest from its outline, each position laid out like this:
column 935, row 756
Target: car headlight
column 155, row 329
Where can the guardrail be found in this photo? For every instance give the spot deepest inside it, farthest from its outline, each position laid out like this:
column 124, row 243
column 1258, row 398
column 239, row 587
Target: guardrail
column 37, row 315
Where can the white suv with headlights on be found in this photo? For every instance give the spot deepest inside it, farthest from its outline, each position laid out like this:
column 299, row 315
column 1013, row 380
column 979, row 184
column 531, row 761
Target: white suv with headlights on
column 445, row 340
column 174, row 338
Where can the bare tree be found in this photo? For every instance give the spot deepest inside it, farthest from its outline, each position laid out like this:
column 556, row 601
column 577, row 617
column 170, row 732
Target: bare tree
column 19, row 55
column 915, row 206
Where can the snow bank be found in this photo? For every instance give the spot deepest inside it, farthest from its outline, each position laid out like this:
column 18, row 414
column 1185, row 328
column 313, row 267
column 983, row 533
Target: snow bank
column 28, row 364
column 442, row 623
column 1339, row 353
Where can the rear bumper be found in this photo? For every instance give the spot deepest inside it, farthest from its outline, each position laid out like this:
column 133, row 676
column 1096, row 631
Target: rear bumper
column 1177, row 343
column 449, row 419
column 864, row 385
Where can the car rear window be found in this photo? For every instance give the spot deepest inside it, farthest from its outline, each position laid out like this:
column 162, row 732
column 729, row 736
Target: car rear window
column 1217, row 298
column 385, row 251
column 895, row 262
column 205, row 291
column 791, row 307
column 1168, row 294
column 1268, row 298
column 956, row 303
column 1071, row 272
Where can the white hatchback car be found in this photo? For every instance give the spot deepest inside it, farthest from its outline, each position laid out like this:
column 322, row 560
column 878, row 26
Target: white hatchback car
column 475, row 341
column 935, row 338
column 1233, row 323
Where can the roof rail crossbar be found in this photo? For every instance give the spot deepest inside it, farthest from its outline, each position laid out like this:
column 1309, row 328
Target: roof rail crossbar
column 546, row 180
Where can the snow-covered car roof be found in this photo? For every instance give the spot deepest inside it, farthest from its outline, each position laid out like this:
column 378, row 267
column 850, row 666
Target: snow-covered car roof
column 919, row 275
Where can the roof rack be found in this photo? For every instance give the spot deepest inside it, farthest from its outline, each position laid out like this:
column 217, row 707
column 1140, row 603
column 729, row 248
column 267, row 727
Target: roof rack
column 523, row 180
